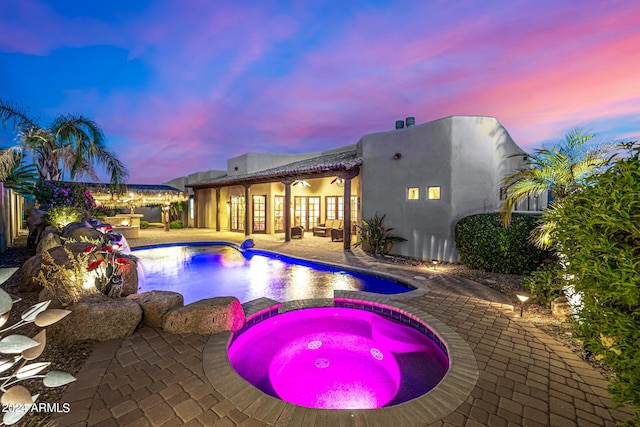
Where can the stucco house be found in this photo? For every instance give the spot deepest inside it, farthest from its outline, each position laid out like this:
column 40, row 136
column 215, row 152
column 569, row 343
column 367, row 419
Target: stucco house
column 424, row 178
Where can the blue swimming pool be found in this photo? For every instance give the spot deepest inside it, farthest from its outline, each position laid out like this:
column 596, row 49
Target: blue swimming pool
column 205, row 270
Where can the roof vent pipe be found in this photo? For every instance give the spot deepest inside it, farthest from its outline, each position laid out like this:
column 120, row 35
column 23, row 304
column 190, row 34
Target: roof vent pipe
column 399, row 124
column 411, row 121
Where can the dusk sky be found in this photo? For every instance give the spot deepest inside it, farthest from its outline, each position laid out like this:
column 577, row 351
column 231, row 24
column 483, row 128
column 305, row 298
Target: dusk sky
column 181, row 86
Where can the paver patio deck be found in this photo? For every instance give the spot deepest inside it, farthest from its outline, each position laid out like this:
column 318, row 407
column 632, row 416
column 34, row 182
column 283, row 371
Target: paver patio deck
column 526, row 378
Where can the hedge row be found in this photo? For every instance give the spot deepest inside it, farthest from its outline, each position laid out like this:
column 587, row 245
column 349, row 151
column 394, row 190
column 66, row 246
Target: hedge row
column 485, row 244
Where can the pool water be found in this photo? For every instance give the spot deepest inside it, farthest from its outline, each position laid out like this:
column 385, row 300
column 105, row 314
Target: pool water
column 337, row 358
column 199, row 271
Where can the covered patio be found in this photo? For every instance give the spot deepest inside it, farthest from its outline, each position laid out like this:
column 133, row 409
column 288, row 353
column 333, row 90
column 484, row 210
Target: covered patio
column 262, row 202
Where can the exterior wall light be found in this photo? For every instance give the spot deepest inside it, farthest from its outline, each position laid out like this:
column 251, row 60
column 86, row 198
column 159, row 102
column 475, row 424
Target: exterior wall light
column 523, row 297
column 433, row 193
column 397, row 156
column 413, row 193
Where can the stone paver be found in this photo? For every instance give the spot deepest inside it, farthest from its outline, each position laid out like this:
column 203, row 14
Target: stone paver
column 525, row 377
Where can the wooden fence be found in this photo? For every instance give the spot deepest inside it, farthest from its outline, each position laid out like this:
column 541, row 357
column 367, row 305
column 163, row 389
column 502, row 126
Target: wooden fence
column 11, row 211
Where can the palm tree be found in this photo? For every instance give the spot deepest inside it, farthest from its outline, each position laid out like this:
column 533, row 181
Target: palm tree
column 72, row 143
column 8, row 160
column 561, row 170
column 21, row 177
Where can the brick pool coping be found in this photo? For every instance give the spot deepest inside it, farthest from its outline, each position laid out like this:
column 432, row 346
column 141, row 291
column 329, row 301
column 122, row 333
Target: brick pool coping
column 446, row 397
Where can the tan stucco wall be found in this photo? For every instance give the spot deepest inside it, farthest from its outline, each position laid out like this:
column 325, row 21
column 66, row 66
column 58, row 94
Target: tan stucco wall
column 465, row 156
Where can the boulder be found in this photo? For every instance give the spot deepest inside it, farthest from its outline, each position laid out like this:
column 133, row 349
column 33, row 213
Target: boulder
column 561, row 309
column 155, row 304
column 49, row 238
column 80, row 232
column 98, row 318
column 34, row 219
column 207, row 316
column 59, row 253
column 61, row 270
column 28, row 272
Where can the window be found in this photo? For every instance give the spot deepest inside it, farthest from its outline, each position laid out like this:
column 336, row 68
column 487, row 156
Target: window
column 191, row 215
column 433, row 193
column 335, row 207
column 413, row 193
column 278, row 214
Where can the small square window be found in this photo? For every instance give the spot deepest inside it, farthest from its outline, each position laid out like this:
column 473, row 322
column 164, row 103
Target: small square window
column 433, row 193
column 413, row 193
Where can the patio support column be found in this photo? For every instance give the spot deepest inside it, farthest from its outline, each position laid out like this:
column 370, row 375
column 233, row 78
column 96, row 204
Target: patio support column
column 347, row 214
column 217, row 208
column 287, row 210
column 346, row 206
column 246, row 209
column 195, row 208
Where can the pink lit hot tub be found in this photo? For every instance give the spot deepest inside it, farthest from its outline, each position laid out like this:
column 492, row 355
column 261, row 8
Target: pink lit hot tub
column 340, row 358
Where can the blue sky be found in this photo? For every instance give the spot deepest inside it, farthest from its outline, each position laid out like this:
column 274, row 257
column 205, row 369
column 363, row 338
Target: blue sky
column 181, row 86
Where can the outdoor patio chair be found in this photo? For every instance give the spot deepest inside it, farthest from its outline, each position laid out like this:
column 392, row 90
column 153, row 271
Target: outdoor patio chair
column 324, row 230
column 337, row 234
column 297, row 232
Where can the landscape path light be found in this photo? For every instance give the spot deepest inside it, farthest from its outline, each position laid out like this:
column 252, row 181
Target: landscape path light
column 523, row 297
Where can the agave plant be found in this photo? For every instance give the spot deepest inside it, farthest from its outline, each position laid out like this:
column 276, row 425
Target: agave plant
column 375, row 237
column 18, row 351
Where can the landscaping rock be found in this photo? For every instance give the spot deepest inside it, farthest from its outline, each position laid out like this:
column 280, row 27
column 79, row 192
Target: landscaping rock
column 156, row 304
column 207, row 316
column 49, row 238
column 28, row 272
column 560, row 308
column 79, row 233
column 98, row 318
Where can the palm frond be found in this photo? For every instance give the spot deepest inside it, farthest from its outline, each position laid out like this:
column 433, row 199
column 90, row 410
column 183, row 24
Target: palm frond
column 10, row 112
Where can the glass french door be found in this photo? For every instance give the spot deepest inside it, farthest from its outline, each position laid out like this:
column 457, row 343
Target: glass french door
column 259, row 214
column 307, row 212
column 278, row 214
column 236, row 215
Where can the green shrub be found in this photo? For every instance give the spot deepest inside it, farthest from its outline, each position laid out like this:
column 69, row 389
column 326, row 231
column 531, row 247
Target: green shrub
column 545, row 284
column 60, row 216
column 100, row 212
column 484, row 244
column 598, row 235
column 176, row 224
column 144, row 225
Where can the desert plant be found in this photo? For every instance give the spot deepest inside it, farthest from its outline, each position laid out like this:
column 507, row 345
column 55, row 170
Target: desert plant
column 20, row 350
column 375, row 237
column 60, row 216
column 545, row 284
column 485, row 244
column 66, row 282
column 598, row 236
column 176, row 224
